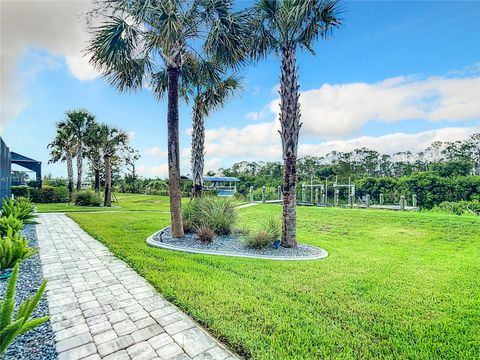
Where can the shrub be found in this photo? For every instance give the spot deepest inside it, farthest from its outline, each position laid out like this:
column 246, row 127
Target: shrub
column 86, row 198
column 21, row 191
column 9, row 222
column 49, row 194
column 13, row 326
column 272, row 226
column 20, row 208
column 205, row 234
column 14, row 249
column 258, row 239
column 219, row 213
column 459, row 207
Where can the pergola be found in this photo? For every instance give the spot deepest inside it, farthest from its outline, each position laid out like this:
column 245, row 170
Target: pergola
column 30, row 164
column 222, row 185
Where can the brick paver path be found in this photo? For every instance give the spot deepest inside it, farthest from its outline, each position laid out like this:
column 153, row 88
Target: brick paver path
column 101, row 309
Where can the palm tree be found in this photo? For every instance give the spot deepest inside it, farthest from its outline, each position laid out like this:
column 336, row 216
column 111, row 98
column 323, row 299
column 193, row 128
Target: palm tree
column 143, row 38
column 77, row 123
column 282, row 26
column 111, row 141
column 62, row 148
column 208, row 86
column 94, row 154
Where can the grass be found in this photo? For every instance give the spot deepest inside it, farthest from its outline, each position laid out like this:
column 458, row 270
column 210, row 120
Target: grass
column 396, row 285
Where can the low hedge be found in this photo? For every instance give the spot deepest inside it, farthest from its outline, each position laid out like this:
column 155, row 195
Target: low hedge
column 46, row 194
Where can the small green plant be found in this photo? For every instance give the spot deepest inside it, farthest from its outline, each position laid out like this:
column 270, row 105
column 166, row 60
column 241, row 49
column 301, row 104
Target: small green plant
column 258, row 239
column 20, row 207
column 273, row 226
column 86, row 198
column 219, row 213
column 205, row 233
column 13, row 326
column 9, row 222
column 13, row 249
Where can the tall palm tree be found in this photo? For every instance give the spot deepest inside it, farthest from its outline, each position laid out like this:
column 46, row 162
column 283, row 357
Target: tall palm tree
column 111, row 141
column 142, row 38
column 282, row 26
column 93, row 152
column 208, row 86
column 77, row 123
column 62, row 148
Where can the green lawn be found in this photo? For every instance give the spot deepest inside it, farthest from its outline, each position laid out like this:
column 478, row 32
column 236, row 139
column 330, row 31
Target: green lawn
column 130, row 202
column 395, row 286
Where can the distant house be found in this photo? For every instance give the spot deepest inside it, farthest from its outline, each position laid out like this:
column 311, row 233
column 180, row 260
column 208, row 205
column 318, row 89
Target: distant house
column 220, row 185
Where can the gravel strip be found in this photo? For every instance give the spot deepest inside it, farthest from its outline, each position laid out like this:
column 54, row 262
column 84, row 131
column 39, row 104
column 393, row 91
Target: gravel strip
column 39, row 343
column 234, row 245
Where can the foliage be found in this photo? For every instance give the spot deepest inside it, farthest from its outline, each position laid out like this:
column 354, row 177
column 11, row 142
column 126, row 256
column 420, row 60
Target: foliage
column 86, row 198
column 451, row 168
column 49, row 194
column 219, row 213
column 12, row 326
column 205, row 233
column 13, row 249
column 20, row 208
column 20, row 191
column 9, row 222
column 331, row 308
column 459, row 207
column 270, row 230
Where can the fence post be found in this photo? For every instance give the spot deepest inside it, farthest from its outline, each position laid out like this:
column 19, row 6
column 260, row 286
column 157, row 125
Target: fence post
column 367, row 200
column 316, row 196
column 264, row 188
column 335, row 197
column 414, row 200
column 381, row 199
column 279, row 192
column 322, row 198
column 303, row 192
column 250, row 193
column 402, row 202
column 350, row 200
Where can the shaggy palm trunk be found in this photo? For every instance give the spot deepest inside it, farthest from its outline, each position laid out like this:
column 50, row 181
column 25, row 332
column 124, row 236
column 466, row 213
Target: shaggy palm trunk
column 108, row 182
column 174, row 154
column 70, row 175
column 290, row 124
column 198, row 149
column 79, row 167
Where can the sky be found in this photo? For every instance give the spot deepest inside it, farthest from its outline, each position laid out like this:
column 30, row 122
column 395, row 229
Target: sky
column 396, row 76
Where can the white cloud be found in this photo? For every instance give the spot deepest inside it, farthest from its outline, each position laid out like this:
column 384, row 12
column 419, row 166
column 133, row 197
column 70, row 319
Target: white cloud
column 58, row 27
column 343, row 109
column 160, row 171
column 131, row 135
column 156, row 151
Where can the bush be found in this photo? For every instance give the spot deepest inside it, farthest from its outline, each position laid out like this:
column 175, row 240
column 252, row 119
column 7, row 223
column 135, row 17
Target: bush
column 272, row 225
column 13, row 249
column 21, row 191
column 258, row 239
column 11, row 327
column 219, row 213
column 49, row 194
column 9, row 222
column 459, row 207
column 86, row 198
column 205, row 234
column 20, row 208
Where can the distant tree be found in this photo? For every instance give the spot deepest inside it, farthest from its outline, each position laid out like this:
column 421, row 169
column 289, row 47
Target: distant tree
column 77, row 124
column 63, row 148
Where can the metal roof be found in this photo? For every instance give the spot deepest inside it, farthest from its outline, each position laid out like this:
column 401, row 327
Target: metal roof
column 214, row 178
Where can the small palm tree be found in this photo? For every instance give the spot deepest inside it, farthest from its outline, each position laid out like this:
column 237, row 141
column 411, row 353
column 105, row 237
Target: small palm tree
column 62, row 148
column 77, row 123
column 111, row 141
column 208, row 85
column 144, row 38
column 282, row 26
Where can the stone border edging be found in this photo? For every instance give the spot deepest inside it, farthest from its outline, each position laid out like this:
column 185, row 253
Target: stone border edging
column 154, row 243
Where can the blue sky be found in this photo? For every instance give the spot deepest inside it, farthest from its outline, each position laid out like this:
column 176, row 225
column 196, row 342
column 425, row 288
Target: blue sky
column 395, row 77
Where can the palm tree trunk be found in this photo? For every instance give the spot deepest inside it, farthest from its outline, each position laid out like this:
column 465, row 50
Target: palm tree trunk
column 97, row 181
column 198, row 149
column 290, row 124
column 70, row 175
column 174, row 154
column 79, row 166
column 108, row 182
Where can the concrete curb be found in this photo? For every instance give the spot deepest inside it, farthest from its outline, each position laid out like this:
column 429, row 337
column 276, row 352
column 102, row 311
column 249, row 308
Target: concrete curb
column 155, row 243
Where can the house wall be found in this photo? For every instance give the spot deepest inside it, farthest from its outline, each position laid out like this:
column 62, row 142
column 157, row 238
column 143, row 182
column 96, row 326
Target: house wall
column 5, row 171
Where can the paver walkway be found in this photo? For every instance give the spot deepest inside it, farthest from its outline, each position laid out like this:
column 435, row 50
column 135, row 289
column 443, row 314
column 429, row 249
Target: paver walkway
column 101, row 309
